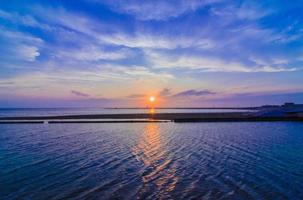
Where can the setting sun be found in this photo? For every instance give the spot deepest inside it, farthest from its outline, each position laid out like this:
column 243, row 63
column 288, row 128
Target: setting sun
column 152, row 99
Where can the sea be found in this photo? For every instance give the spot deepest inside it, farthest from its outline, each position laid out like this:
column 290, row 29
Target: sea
column 13, row 112
column 239, row 160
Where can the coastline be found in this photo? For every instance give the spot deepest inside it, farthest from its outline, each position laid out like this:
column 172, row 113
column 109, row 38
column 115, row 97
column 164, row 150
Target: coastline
column 148, row 118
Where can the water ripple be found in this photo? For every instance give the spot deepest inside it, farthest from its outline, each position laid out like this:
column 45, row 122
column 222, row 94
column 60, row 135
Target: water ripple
column 152, row 161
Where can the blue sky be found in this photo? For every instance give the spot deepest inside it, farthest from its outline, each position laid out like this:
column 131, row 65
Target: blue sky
column 115, row 53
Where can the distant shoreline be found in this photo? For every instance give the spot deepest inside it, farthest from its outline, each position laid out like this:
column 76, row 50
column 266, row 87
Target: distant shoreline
column 147, row 118
column 158, row 116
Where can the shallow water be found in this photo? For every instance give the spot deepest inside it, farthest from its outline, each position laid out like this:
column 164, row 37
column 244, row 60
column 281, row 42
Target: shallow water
column 12, row 112
column 152, row 161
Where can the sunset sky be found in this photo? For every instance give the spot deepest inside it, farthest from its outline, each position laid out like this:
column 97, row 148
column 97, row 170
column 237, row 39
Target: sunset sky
column 118, row 53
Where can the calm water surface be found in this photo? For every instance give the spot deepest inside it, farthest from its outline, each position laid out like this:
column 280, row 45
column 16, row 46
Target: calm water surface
column 152, row 161
column 12, row 112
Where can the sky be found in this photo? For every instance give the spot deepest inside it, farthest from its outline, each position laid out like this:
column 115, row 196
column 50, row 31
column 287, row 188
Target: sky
column 187, row 53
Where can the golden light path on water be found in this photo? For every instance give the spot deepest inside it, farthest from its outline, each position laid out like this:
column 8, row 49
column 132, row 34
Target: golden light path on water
column 152, row 111
column 159, row 172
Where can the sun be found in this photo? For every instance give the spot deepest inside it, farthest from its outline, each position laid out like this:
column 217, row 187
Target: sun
column 152, row 98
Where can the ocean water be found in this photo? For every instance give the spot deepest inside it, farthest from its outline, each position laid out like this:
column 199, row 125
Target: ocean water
column 10, row 112
column 152, row 161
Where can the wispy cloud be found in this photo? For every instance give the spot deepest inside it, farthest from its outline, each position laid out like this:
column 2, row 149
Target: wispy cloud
column 246, row 10
column 24, row 20
column 207, row 64
column 187, row 93
column 80, row 94
column 92, row 53
column 144, row 40
column 136, row 96
column 148, row 40
column 165, row 92
column 157, row 9
column 19, row 46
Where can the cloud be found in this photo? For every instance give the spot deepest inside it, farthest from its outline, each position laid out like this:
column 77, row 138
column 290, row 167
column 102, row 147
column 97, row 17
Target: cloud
column 187, row 93
column 28, row 53
column 165, row 92
column 103, row 32
column 18, row 46
column 6, row 83
column 234, row 40
column 258, row 98
column 136, row 96
column 251, row 11
column 80, row 94
column 24, row 20
column 53, row 81
column 144, row 72
column 156, row 9
column 143, row 40
column 246, row 10
column 92, row 53
column 207, row 64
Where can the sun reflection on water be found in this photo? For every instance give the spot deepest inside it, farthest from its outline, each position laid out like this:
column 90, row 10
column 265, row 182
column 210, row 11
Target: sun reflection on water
column 152, row 111
column 159, row 169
